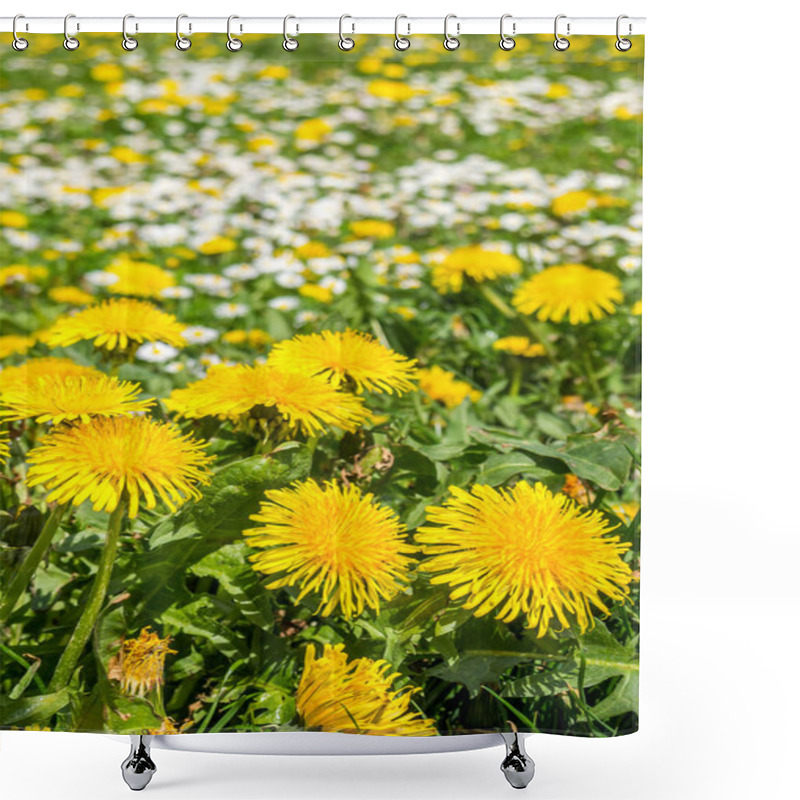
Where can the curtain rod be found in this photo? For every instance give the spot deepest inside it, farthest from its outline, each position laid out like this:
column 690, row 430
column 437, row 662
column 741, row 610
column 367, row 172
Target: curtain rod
column 518, row 26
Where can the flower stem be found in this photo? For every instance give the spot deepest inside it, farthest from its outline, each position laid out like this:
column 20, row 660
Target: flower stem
column 25, row 572
column 83, row 630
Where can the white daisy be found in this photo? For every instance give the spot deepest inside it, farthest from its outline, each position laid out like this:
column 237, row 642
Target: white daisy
column 197, row 334
column 230, row 310
column 156, row 352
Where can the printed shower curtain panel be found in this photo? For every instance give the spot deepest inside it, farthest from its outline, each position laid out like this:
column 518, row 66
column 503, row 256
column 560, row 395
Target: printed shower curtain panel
column 320, row 386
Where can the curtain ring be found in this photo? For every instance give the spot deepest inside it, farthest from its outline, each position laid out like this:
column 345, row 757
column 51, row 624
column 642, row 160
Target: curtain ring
column 561, row 44
column 181, row 42
column 128, row 43
column 70, row 42
column 623, row 45
column 233, row 44
column 506, row 42
column 290, row 44
column 401, row 42
column 451, row 42
column 345, row 42
column 18, row 44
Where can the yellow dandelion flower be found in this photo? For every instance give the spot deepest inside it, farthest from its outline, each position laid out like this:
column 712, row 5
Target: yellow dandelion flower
column 127, row 155
column 322, row 294
column 105, row 459
column 441, row 385
column 53, row 369
column 636, row 309
column 138, row 278
column 336, row 695
column 217, row 246
column 312, row 249
column 372, row 229
column 524, row 552
column 115, row 325
column 15, row 345
column 21, row 273
column 572, row 290
column 73, row 397
column 70, row 295
column 391, row 90
column 5, row 451
column 351, row 357
column 334, row 542
column 13, row 219
column 475, row 262
column 303, row 401
column 573, row 203
column 139, row 664
column 313, row 130
column 107, row 71
column 519, row 346
column 255, row 337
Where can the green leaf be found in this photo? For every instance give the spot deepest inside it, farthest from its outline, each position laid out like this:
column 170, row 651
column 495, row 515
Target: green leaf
column 274, row 706
column 623, row 699
column 604, row 462
column 237, row 489
column 604, row 656
column 219, row 518
column 543, row 682
column 499, row 468
column 230, row 566
column 200, row 618
column 29, row 709
column 132, row 715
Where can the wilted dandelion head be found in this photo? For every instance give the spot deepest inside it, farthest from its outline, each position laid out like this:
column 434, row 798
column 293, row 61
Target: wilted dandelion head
column 105, row 459
column 139, row 665
column 115, row 325
column 524, row 552
column 73, row 397
column 475, row 262
column 332, row 541
column 139, row 278
column 570, row 290
column 340, row 696
column 349, row 356
column 307, row 402
column 442, row 385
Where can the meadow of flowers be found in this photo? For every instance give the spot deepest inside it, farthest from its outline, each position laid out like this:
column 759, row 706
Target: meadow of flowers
column 319, row 401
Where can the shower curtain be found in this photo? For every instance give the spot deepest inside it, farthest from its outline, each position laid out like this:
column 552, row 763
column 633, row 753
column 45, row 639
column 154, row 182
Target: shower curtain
column 320, row 389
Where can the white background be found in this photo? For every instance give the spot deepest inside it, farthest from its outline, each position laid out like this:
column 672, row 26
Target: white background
column 721, row 545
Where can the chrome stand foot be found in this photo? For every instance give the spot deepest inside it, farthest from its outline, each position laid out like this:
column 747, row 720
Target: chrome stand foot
column 517, row 766
column 138, row 768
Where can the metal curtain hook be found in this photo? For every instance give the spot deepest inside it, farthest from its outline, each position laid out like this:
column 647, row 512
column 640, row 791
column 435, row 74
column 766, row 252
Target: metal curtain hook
column 623, row 45
column 561, row 44
column 181, row 42
column 401, row 42
column 70, row 42
column 451, row 42
column 233, row 44
column 128, row 43
column 506, row 42
column 290, row 44
column 18, row 44
column 345, row 42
